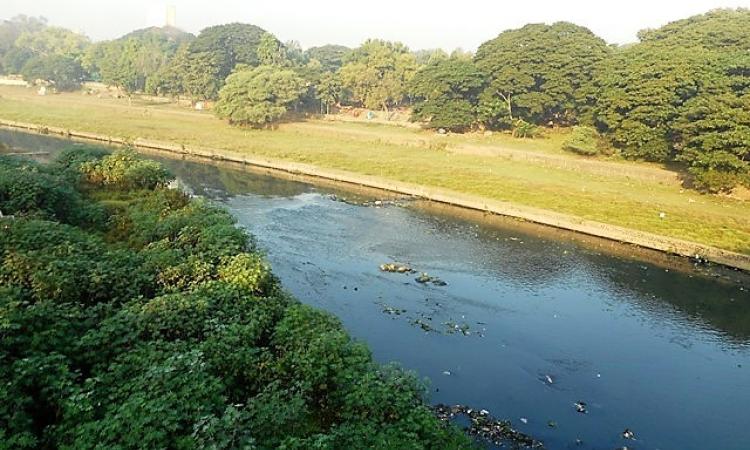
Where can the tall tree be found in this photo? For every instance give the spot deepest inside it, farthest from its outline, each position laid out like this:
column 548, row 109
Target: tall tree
column 446, row 93
column 331, row 57
column 537, row 72
column 259, row 97
column 215, row 53
column 377, row 73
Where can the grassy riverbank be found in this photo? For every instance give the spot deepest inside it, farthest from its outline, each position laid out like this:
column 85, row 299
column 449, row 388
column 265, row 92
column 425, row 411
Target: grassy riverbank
column 530, row 173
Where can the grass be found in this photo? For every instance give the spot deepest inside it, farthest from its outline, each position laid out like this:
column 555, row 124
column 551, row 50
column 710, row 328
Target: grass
column 534, row 173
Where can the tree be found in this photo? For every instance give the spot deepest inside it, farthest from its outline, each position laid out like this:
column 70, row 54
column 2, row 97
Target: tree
column 712, row 131
column 537, row 72
column 54, row 41
column 215, row 53
column 258, row 97
column 271, row 52
column 328, row 91
column 377, row 73
column 446, row 93
column 682, row 95
column 331, row 57
column 720, row 29
column 640, row 91
column 63, row 72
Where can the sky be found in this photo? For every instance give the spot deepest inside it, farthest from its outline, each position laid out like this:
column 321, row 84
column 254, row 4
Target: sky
column 420, row 24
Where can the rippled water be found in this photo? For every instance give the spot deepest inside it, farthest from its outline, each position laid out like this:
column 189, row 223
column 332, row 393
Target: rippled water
column 647, row 343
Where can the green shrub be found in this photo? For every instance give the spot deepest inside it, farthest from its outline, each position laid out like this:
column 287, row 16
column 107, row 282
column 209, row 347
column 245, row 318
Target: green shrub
column 167, row 329
column 582, row 140
column 124, row 170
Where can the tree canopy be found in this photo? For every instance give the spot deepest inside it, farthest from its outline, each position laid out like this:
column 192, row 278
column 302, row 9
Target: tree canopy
column 331, row 57
column 377, row 72
column 446, row 93
column 259, row 97
column 682, row 95
column 536, row 73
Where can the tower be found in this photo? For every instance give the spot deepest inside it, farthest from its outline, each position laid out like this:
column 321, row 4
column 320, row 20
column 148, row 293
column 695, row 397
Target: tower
column 171, row 16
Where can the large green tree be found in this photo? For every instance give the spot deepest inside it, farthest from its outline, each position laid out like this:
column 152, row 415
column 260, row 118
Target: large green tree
column 331, row 57
column 538, row 73
column 259, row 97
column 446, row 93
column 682, row 95
column 63, row 72
column 215, row 53
column 377, row 73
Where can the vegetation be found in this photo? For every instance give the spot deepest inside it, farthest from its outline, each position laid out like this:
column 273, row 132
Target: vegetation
column 538, row 73
column 499, row 167
column 679, row 96
column 376, row 74
column 582, row 140
column 134, row 317
column 446, row 94
column 258, row 97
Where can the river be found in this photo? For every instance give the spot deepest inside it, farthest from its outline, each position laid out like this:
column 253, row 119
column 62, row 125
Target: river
column 530, row 322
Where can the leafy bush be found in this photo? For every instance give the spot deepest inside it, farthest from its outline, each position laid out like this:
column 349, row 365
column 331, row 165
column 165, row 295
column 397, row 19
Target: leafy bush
column 523, row 129
column 123, row 170
column 168, row 330
column 582, row 140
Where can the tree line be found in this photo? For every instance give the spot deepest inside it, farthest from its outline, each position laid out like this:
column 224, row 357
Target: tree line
column 680, row 95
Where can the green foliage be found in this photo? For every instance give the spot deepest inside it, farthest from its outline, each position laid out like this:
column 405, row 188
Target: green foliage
column 446, row 94
column 123, row 170
column 682, row 95
column 103, row 346
column 376, row 73
column 258, row 97
column 63, row 72
column 270, row 51
column 215, row 54
column 719, row 29
column 538, row 73
column 331, row 57
column 582, row 140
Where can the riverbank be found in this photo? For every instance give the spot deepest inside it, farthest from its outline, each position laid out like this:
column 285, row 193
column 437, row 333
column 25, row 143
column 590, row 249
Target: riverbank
column 619, row 234
column 495, row 171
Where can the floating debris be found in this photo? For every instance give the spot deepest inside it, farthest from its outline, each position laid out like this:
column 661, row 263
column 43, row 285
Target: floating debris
column 548, row 379
column 423, row 325
column 447, row 372
column 396, row 268
column 628, row 434
column 456, row 328
column 393, row 311
column 580, row 407
column 524, row 420
column 552, row 424
column 368, row 203
column 424, row 278
column 484, row 426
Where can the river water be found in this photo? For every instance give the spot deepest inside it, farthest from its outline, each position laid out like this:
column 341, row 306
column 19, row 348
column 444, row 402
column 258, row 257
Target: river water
column 649, row 343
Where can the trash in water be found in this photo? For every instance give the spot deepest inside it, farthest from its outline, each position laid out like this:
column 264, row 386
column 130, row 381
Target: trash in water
column 396, row 268
column 482, row 425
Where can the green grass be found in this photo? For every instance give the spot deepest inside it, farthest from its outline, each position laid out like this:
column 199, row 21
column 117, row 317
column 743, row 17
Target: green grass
column 534, row 173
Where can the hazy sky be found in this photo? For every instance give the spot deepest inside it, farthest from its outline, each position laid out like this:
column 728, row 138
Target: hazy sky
column 418, row 23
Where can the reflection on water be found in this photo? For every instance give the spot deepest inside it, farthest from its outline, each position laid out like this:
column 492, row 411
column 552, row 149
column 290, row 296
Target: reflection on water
column 649, row 345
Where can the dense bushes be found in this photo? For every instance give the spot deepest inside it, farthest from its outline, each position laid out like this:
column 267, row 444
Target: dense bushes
column 160, row 326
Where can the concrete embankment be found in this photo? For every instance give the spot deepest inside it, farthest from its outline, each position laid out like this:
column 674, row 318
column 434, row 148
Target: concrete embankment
column 544, row 217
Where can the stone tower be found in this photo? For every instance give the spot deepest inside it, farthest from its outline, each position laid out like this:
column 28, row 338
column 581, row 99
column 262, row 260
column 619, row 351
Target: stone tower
column 171, row 16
